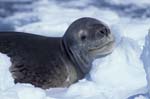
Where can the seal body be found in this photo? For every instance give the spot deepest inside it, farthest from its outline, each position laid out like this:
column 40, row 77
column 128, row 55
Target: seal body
column 38, row 60
column 57, row 62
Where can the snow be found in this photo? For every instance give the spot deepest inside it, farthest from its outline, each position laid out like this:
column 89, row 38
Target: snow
column 128, row 2
column 60, row 18
column 116, row 76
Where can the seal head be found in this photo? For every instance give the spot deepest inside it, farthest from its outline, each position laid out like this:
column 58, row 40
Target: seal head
column 87, row 39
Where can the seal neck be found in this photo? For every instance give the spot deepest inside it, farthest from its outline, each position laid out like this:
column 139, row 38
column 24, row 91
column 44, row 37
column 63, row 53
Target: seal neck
column 71, row 60
column 81, row 60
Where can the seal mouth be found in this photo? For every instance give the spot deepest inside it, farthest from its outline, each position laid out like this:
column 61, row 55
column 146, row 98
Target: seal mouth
column 102, row 50
column 99, row 48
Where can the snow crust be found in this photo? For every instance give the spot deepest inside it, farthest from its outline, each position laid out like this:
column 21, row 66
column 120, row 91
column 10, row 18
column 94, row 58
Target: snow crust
column 116, row 76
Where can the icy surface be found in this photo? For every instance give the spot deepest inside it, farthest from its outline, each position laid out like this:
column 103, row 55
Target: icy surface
column 127, row 2
column 117, row 76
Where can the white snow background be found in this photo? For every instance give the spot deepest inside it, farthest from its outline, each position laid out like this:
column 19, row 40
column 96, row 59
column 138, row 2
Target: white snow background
column 116, row 76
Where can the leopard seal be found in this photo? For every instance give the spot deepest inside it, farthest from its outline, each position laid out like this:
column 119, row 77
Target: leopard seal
column 49, row 62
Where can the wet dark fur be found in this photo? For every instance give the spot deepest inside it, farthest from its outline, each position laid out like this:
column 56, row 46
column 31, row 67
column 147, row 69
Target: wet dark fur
column 35, row 59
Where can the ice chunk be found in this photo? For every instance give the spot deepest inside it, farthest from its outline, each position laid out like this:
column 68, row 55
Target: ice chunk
column 146, row 59
column 118, row 70
column 6, row 80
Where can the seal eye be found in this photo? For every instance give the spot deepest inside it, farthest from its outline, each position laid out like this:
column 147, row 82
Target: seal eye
column 102, row 32
column 83, row 37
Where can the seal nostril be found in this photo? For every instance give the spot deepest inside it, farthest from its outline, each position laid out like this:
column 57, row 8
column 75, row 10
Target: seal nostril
column 102, row 32
column 105, row 32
